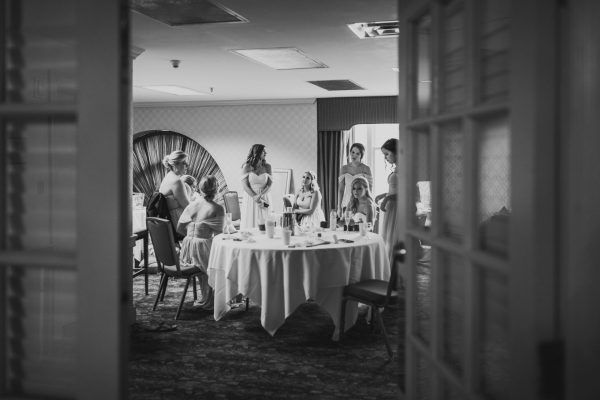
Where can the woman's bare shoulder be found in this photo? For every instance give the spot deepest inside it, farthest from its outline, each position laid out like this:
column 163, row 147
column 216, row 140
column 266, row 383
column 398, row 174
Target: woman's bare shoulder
column 246, row 168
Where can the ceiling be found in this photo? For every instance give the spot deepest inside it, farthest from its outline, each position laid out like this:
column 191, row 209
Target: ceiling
column 316, row 27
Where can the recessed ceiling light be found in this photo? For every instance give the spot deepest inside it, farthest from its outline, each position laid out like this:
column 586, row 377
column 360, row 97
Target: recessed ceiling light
column 385, row 29
column 281, row 58
column 174, row 89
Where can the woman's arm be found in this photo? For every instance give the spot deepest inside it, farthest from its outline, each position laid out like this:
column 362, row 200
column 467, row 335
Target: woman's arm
column 371, row 213
column 269, row 181
column 180, row 193
column 246, row 184
column 379, row 197
column 368, row 175
column 341, row 187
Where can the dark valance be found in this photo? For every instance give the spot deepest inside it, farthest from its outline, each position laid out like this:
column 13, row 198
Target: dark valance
column 344, row 112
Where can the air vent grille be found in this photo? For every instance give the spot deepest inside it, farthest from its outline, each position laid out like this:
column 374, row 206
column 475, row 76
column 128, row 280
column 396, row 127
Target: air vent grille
column 340, row 84
column 186, row 12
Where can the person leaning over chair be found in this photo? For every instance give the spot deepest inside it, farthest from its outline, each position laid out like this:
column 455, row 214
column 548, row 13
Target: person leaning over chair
column 201, row 220
column 172, row 187
column 308, row 201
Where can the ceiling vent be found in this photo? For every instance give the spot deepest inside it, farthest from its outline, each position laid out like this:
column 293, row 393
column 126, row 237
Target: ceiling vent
column 340, row 84
column 186, row 12
column 374, row 30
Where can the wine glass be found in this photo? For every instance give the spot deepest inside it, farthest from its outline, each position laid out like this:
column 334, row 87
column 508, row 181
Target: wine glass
column 228, row 224
column 348, row 218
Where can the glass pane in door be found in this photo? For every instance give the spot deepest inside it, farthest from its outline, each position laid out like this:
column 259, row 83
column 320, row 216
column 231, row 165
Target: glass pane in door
column 41, row 58
column 41, row 177
column 41, row 327
column 493, row 341
column 453, row 89
column 453, row 181
column 494, row 186
column 494, row 43
column 422, row 86
column 423, row 295
column 452, row 270
column 422, row 179
column 423, row 377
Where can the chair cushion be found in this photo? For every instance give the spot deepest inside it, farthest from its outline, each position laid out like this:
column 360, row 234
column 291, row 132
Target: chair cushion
column 372, row 291
column 185, row 270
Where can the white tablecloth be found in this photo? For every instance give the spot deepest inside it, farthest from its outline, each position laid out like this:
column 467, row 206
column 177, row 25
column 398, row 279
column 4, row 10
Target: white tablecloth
column 138, row 223
column 280, row 278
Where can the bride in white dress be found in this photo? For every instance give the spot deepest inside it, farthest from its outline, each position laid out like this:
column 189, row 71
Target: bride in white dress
column 256, row 182
column 308, row 202
column 348, row 172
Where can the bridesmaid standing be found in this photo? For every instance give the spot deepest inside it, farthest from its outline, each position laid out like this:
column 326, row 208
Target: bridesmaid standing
column 348, row 172
column 172, row 187
column 388, row 205
column 256, row 181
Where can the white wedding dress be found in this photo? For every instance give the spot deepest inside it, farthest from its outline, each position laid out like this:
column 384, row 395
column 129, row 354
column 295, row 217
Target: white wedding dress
column 252, row 211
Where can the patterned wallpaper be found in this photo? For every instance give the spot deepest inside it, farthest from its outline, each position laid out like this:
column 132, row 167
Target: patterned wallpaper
column 289, row 132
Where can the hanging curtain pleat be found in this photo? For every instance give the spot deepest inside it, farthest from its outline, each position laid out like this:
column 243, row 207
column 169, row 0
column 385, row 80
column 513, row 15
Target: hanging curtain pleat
column 329, row 154
column 345, row 112
column 149, row 148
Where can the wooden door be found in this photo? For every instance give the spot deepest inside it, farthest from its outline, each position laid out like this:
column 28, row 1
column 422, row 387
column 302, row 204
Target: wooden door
column 480, row 144
column 63, row 177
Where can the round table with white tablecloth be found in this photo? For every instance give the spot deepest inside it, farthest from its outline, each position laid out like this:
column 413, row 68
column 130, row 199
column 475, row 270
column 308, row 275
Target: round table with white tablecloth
column 279, row 278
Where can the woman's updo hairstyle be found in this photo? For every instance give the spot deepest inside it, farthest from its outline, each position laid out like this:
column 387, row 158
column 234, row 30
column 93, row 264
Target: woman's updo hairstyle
column 390, row 145
column 173, row 159
column 209, row 187
column 360, row 148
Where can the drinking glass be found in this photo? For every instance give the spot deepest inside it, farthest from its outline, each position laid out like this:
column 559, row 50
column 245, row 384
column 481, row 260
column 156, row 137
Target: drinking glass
column 228, row 224
column 348, row 218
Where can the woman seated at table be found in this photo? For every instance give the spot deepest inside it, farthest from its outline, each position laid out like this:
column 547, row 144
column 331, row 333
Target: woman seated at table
column 200, row 221
column 361, row 205
column 308, row 202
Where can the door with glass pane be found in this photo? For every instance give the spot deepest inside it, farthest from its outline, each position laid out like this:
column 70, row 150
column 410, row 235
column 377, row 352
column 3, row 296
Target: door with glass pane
column 478, row 168
column 63, row 238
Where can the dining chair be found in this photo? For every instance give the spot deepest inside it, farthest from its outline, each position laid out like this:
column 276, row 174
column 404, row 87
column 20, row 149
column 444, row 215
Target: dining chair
column 232, row 205
column 167, row 258
column 376, row 293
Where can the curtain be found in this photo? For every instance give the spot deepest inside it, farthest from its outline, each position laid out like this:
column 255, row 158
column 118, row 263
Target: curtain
column 329, row 155
column 150, row 147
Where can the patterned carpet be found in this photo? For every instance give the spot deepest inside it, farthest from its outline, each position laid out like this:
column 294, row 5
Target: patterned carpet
column 236, row 359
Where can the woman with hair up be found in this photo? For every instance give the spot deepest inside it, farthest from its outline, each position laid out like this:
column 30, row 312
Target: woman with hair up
column 172, row 187
column 308, row 201
column 201, row 220
column 350, row 171
column 256, row 182
column 388, row 200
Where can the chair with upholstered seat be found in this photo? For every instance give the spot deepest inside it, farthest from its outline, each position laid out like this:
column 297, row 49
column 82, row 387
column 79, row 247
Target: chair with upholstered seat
column 376, row 293
column 232, row 205
column 167, row 258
